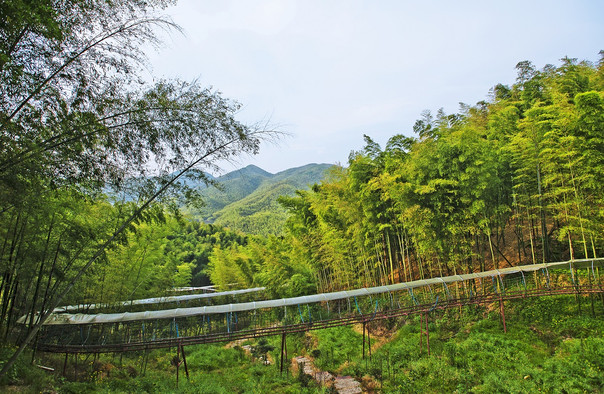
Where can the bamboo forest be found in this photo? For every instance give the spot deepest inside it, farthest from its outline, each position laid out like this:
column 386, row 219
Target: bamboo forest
column 102, row 181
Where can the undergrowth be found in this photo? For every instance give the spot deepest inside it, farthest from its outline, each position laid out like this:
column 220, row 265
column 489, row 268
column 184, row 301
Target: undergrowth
column 551, row 345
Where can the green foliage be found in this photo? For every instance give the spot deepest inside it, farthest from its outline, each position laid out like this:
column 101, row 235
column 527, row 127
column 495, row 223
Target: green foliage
column 515, row 179
column 212, row 368
column 208, row 358
column 230, row 188
column 246, row 200
column 469, row 353
column 261, row 262
column 336, row 346
column 510, row 181
column 77, row 122
column 22, row 373
column 155, row 259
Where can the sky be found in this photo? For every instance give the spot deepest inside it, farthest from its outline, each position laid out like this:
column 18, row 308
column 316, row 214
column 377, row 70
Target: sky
column 328, row 72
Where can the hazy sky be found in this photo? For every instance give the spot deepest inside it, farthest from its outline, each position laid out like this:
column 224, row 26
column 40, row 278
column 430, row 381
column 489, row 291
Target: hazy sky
column 329, row 71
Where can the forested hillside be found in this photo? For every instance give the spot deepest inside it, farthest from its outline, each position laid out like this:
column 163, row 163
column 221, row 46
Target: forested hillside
column 230, row 188
column 77, row 119
column 246, row 199
column 513, row 179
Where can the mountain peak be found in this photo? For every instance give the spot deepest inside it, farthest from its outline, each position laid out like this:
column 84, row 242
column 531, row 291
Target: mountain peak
column 254, row 169
column 246, row 199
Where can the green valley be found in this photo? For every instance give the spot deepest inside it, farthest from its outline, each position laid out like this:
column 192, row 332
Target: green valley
column 246, row 199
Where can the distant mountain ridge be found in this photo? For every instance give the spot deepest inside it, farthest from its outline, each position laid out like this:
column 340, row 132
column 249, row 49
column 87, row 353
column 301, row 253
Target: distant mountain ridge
column 246, row 199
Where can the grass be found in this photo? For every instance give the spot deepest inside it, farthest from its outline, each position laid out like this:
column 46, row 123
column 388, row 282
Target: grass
column 550, row 346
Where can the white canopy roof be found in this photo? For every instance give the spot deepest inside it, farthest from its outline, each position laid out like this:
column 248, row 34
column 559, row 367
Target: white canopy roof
column 157, row 300
column 63, row 318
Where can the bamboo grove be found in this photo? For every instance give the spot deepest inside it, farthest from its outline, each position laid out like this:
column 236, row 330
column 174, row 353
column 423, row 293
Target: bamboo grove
column 90, row 159
column 91, row 156
column 515, row 180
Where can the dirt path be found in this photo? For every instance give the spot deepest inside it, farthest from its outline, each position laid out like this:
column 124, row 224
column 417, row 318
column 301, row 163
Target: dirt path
column 343, row 384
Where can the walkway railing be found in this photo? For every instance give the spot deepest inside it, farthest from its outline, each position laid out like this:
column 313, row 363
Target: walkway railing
column 144, row 330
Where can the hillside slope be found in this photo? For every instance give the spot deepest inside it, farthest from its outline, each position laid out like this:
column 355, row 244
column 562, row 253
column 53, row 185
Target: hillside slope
column 230, row 188
column 246, row 199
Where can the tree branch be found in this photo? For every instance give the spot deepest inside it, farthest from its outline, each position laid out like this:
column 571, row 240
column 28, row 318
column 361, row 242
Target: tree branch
column 45, row 315
column 95, row 42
